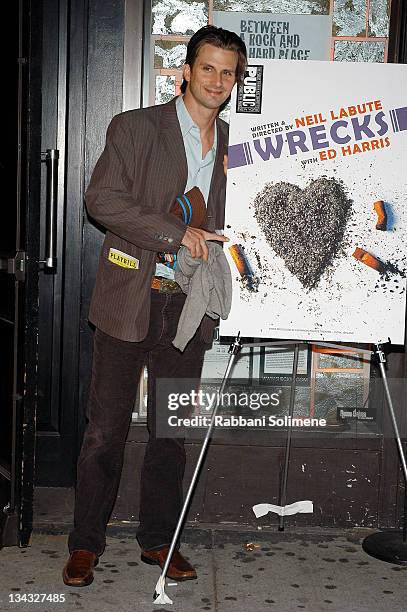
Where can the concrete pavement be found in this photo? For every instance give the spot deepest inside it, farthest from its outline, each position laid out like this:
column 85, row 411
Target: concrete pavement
column 283, row 572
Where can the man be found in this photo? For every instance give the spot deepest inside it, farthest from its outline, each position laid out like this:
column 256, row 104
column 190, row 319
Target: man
column 151, row 157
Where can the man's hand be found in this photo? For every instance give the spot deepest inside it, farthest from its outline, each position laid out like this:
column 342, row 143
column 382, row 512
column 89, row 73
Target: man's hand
column 225, row 164
column 195, row 241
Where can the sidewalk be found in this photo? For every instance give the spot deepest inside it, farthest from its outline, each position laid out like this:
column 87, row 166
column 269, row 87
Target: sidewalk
column 286, row 572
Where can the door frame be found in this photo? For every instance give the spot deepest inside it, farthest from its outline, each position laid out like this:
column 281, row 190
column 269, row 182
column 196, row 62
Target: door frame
column 57, row 440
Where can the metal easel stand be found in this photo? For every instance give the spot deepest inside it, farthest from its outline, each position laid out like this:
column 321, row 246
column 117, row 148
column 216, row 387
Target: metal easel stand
column 389, row 545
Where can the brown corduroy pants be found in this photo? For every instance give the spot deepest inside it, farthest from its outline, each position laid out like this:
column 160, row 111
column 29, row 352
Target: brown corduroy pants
column 116, row 371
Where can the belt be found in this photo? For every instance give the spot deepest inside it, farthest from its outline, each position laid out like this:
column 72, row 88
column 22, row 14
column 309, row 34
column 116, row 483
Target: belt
column 165, row 285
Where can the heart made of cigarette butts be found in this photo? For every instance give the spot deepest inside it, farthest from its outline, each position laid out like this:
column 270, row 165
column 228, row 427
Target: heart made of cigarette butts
column 305, row 227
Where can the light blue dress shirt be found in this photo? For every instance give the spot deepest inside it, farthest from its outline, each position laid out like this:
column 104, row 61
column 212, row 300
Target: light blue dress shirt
column 199, row 170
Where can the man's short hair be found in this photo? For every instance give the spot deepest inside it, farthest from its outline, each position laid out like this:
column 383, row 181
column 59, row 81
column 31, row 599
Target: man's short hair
column 218, row 37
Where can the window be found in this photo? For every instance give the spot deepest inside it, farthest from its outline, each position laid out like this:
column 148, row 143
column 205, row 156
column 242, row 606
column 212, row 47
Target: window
column 359, row 32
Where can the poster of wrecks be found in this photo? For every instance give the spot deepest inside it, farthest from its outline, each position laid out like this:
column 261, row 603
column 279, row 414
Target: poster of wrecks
column 316, row 205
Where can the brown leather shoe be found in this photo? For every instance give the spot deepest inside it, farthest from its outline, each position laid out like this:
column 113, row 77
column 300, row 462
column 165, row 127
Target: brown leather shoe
column 78, row 571
column 178, row 569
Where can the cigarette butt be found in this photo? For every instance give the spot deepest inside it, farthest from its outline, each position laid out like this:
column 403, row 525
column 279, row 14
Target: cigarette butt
column 368, row 259
column 251, row 546
column 381, row 215
column 172, row 584
column 240, row 259
column 239, row 256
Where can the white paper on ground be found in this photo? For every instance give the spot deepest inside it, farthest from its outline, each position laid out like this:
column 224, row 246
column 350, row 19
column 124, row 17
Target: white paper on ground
column 296, row 507
column 160, row 596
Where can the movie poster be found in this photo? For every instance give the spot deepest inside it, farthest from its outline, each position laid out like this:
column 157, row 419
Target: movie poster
column 316, row 205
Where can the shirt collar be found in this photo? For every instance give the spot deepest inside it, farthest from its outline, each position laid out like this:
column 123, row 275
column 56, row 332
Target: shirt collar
column 185, row 120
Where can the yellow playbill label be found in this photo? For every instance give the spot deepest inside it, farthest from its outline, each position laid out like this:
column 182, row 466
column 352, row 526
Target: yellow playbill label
column 123, row 259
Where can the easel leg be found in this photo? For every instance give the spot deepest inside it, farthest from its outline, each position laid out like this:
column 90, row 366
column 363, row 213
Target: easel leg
column 160, row 596
column 389, row 545
column 283, row 493
column 382, row 361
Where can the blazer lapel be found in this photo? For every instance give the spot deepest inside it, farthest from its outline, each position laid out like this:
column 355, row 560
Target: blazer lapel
column 173, row 141
column 217, row 192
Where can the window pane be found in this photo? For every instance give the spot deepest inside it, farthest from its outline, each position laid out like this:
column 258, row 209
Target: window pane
column 169, row 54
column 379, row 17
column 329, row 360
column 308, row 7
column 164, row 88
column 339, row 390
column 358, row 51
column 349, row 18
column 179, row 16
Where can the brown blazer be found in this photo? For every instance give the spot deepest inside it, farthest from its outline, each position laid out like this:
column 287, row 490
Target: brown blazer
column 141, row 171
